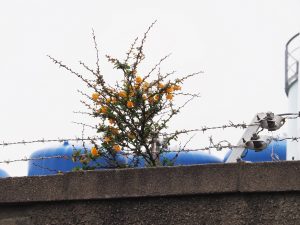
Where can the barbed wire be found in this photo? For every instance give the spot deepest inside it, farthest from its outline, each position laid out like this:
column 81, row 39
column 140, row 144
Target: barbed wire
column 219, row 146
column 286, row 139
column 205, row 128
column 47, row 168
column 243, row 125
column 47, row 140
column 231, row 124
column 224, row 144
column 36, row 158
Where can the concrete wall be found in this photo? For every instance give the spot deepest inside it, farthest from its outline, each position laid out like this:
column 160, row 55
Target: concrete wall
column 261, row 193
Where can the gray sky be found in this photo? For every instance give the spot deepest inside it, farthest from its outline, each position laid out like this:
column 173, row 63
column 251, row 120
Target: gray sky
column 238, row 44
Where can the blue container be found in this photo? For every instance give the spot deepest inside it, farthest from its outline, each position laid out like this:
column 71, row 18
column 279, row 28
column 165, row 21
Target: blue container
column 3, row 174
column 51, row 166
column 183, row 158
column 274, row 152
column 191, row 158
column 54, row 165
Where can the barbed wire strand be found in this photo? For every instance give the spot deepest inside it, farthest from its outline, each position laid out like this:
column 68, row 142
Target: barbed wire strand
column 242, row 125
column 47, row 141
column 25, row 159
column 47, row 168
column 203, row 129
column 219, row 146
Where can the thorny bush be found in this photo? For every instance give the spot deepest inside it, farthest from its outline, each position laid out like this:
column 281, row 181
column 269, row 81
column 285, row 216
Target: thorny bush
column 133, row 113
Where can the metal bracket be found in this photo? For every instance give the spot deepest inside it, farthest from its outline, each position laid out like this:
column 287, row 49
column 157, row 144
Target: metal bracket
column 248, row 134
column 258, row 143
column 155, row 145
column 251, row 139
column 271, row 122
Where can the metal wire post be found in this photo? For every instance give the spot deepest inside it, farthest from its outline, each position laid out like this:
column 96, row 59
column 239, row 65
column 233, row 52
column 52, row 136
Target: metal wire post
column 238, row 152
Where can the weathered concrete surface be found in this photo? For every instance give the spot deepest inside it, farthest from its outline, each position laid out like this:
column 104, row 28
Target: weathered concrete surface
column 163, row 181
column 213, row 209
column 262, row 193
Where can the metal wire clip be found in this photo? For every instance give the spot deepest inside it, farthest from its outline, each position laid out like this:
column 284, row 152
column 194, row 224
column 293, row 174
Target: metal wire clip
column 257, row 143
column 271, row 122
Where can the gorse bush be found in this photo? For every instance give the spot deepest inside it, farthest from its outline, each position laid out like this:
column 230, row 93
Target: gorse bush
column 132, row 114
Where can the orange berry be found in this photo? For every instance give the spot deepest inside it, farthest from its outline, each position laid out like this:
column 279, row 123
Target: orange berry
column 130, row 104
column 161, row 85
column 138, row 80
column 169, row 90
column 169, row 96
column 117, row 148
column 103, row 109
column 144, row 96
column 94, row 151
column 176, row 88
column 122, row 94
column 95, row 96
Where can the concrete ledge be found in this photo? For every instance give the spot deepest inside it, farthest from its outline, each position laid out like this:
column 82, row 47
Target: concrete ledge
column 151, row 182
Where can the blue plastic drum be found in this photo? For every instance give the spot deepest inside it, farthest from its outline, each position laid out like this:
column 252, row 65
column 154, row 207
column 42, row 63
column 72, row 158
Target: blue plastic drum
column 3, row 174
column 181, row 158
column 64, row 164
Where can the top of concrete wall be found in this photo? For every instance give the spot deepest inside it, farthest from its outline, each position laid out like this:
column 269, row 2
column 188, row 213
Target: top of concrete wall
column 161, row 181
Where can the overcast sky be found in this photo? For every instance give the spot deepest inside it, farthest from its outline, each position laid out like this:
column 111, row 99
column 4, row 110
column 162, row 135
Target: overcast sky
column 238, row 44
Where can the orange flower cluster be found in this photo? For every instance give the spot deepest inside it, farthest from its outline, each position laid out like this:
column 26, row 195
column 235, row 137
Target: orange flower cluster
column 117, row 148
column 130, row 104
column 136, row 90
column 95, row 96
column 95, row 152
column 138, row 80
column 123, row 94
